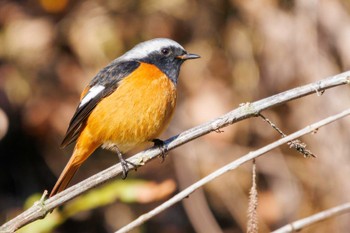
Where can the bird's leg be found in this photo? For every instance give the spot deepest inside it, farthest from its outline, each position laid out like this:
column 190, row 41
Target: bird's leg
column 124, row 163
column 161, row 145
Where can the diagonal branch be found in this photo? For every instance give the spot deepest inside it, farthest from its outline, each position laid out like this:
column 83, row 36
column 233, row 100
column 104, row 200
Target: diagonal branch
column 40, row 209
column 231, row 166
column 302, row 223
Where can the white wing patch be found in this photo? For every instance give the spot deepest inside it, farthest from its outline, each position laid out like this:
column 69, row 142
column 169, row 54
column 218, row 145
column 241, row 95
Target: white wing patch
column 93, row 92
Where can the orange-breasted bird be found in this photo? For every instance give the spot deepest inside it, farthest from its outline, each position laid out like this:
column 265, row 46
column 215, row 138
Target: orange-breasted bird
column 128, row 103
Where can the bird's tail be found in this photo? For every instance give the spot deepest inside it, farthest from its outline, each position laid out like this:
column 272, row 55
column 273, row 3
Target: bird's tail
column 66, row 176
column 83, row 149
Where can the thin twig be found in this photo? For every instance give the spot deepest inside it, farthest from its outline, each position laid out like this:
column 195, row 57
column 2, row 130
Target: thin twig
column 295, row 144
column 231, row 166
column 241, row 113
column 273, row 125
column 302, row 223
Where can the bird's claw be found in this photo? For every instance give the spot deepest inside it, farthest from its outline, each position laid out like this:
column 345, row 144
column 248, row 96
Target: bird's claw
column 161, row 145
column 126, row 166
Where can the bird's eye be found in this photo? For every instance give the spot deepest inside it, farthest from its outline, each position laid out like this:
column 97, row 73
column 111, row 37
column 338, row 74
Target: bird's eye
column 165, row 51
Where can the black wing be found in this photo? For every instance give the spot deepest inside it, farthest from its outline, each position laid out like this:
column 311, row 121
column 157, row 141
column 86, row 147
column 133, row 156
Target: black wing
column 109, row 78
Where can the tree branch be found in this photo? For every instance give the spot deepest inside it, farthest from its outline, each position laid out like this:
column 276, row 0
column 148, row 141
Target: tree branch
column 302, row 223
column 231, row 166
column 40, row 209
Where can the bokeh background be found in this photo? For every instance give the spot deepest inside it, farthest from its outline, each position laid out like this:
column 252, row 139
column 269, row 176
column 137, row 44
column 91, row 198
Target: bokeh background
column 49, row 50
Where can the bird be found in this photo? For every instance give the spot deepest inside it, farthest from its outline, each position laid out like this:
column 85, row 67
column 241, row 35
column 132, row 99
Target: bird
column 128, row 103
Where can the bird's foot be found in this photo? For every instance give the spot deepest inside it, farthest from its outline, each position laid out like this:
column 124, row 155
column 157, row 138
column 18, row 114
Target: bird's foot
column 161, row 145
column 126, row 165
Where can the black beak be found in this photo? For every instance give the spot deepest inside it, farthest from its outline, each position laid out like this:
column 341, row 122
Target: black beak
column 187, row 56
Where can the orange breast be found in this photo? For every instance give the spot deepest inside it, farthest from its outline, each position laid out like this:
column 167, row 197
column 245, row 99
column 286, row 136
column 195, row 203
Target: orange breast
column 138, row 111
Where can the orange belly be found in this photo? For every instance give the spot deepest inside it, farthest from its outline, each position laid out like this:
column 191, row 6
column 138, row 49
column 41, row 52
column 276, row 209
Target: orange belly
column 138, row 111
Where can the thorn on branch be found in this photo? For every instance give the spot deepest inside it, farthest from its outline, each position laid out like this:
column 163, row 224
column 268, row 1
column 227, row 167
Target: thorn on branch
column 295, row 144
column 41, row 204
column 43, row 197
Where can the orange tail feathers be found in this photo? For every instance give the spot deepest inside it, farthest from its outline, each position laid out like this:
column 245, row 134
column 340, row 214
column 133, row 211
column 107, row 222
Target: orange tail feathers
column 83, row 149
column 65, row 177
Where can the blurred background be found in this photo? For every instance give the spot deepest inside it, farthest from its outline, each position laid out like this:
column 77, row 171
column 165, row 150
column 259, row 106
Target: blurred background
column 50, row 50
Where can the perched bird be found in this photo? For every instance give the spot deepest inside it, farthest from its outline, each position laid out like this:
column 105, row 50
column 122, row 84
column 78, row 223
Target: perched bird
column 128, row 103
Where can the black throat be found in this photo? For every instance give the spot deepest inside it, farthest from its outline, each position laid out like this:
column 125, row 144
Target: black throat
column 168, row 65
